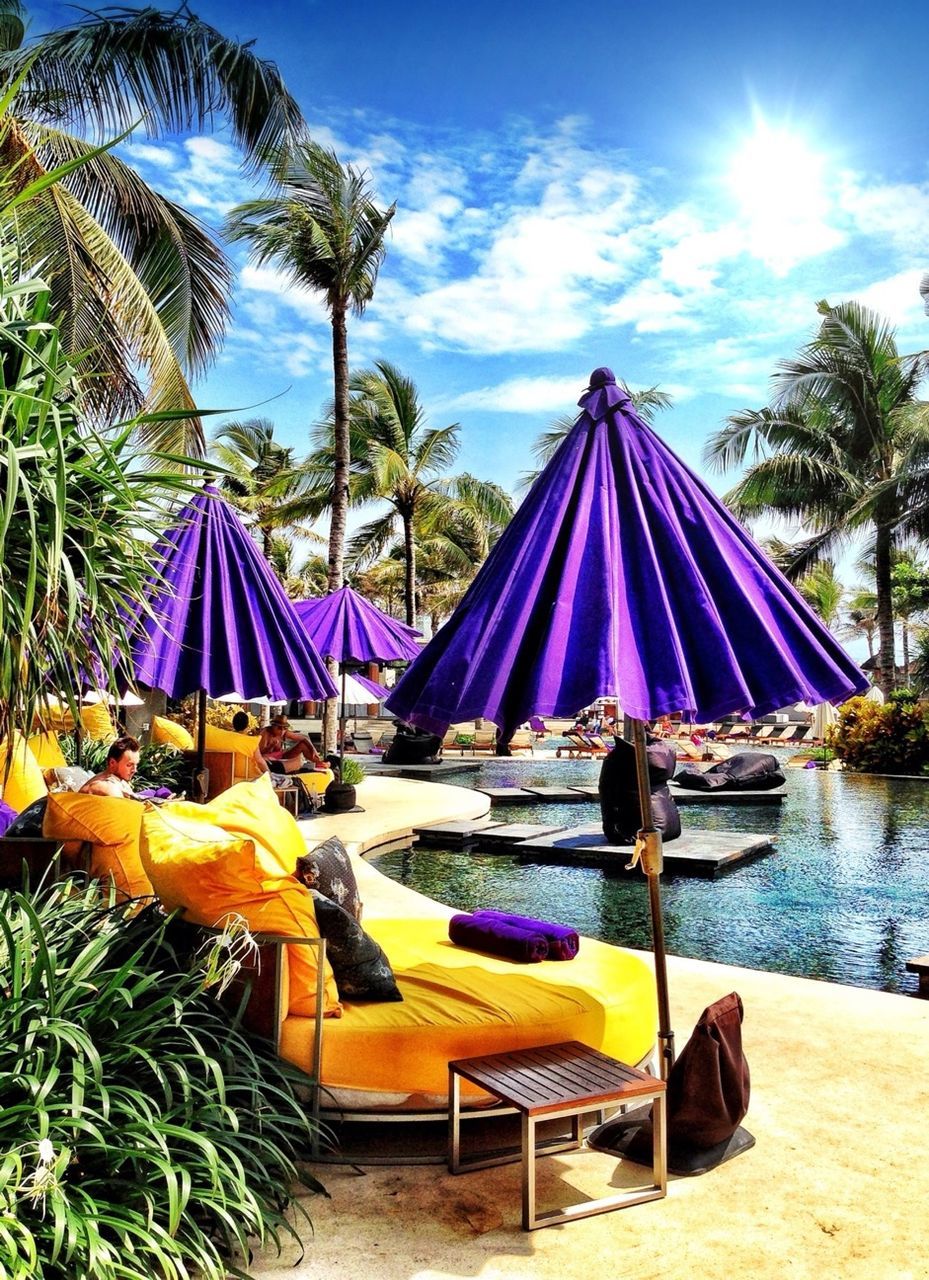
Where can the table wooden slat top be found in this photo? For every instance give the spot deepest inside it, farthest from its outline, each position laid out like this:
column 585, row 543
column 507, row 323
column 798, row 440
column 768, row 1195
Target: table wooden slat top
column 550, row 1077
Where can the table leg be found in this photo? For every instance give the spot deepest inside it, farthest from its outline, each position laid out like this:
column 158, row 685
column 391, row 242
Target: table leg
column 454, row 1121
column 528, row 1130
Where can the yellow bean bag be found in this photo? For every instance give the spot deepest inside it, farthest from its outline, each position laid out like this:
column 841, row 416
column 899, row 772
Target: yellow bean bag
column 213, row 875
column 165, row 730
column 252, row 809
column 112, row 827
column 25, row 781
column 47, row 750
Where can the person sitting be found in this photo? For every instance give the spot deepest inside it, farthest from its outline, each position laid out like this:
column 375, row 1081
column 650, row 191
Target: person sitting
column 280, row 750
column 122, row 761
column 240, row 722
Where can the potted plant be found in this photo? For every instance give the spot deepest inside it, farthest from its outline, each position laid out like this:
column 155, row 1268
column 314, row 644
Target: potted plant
column 340, row 794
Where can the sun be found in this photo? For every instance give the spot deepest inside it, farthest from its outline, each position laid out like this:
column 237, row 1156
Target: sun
column 778, row 181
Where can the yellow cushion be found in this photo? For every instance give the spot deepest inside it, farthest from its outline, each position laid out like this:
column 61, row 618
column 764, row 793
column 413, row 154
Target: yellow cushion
column 243, row 744
column 47, row 750
column 112, row 826
column 212, row 875
column 165, row 730
column 314, row 783
column 253, row 809
column 25, row 782
column 459, row 1003
column 97, row 722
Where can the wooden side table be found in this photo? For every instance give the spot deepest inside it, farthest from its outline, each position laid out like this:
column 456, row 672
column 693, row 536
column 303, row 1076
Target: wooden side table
column 553, row 1082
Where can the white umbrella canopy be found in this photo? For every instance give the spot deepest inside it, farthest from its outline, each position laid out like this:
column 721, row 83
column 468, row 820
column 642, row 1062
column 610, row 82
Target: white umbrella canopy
column 874, row 694
column 824, row 717
column 356, row 694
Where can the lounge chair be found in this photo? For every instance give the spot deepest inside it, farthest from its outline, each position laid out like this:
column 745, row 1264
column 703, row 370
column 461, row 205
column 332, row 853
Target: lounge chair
column 799, row 733
column 521, row 740
column 538, row 726
column 583, row 744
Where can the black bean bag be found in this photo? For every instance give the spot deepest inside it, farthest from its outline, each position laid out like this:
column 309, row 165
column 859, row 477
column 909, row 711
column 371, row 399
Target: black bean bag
column 619, row 793
column 412, row 746
column 745, row 771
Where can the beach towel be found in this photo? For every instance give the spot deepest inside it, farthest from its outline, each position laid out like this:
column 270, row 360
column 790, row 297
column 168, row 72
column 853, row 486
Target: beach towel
column 563, row 942
column 498, row 938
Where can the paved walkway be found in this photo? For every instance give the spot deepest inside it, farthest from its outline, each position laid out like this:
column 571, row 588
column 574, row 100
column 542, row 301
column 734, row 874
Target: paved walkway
column 835, row 1189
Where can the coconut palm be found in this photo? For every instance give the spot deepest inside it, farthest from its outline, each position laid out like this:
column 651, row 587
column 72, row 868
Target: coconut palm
column 844, row 447
column 400, row 460
column 824, row 592
column 861, row 616
column 647, row 402
column 137, row 282
column 910, row 586
column 322, row 228
column 263, row 480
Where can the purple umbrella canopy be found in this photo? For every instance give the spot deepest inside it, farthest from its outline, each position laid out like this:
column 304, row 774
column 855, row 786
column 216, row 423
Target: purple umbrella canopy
column 623, row 574
column 347, row 627
column 222, row 621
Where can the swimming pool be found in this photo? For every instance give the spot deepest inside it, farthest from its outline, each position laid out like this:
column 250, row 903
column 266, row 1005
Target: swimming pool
column 845, row 897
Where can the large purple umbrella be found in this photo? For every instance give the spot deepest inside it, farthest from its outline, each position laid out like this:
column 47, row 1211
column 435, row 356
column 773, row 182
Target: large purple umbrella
column 347, row 627
column 220, row 618
column 623, row 574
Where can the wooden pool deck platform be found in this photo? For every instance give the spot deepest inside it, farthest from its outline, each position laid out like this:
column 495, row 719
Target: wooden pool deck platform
column 694, row 853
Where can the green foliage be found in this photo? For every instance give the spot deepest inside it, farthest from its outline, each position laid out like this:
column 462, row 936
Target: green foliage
column 352, row 772
column 78, row 509
column 142, row 1133
column 160, row 763
column 889, row 738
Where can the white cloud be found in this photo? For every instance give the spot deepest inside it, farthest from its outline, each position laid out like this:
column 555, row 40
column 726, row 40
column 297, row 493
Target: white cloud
column 524, row 395
column 149, row 153
column 898, row 212
column 268, row 283
column 898, row 300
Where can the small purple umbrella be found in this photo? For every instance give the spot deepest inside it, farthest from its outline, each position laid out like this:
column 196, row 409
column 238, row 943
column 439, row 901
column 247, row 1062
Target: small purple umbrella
column 220, row 619
column 347, row 627
column 623, row 574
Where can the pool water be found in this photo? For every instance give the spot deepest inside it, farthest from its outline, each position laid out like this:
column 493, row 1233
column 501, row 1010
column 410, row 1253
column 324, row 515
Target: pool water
column 844, row 897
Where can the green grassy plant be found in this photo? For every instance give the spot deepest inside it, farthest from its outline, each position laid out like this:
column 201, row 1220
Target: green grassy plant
column 142, row 1134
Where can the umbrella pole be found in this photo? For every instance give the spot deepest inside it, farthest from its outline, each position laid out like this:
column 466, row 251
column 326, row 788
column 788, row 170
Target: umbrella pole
column 342, row 726
column 648, row 853
column 201, row 729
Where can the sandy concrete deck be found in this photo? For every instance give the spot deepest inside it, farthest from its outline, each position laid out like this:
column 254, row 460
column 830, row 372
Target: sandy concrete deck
column 835, row 1188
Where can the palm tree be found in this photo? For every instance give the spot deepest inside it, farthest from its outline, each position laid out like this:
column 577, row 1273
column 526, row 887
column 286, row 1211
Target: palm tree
column 844, row 447
column 824, row 592
column 402, row 461
column 137, row 282
column 323, row 228
column 262, row 479
column 647, row 402
column 862, row 617
column 910, row 586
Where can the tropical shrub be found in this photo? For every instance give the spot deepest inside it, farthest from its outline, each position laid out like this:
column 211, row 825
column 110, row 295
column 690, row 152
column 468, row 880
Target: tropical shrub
column 142, row 1134
column 888, row 738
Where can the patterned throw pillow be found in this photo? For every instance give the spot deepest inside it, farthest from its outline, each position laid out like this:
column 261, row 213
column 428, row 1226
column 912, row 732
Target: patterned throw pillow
column 328, row 870
column 29, row 822
column 362, row 970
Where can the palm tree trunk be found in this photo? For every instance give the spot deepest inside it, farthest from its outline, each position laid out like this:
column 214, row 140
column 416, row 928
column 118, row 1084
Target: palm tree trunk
column 339, row 492
column 409, row 551
column 885, row 613
column 906, row 653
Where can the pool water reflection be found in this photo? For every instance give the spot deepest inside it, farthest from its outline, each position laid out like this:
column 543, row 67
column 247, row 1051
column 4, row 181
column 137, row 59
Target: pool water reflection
column 845, row 897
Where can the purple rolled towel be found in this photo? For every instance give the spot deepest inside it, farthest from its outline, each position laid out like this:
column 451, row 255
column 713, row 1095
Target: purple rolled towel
column 497, row 937
column 563, row 942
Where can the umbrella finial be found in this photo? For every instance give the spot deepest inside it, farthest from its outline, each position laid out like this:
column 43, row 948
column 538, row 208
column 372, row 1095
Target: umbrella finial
column 603, row 394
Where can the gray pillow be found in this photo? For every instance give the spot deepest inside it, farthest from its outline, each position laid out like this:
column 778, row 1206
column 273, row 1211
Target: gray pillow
column 68, row 777
column 328, row 870
column 361, row 969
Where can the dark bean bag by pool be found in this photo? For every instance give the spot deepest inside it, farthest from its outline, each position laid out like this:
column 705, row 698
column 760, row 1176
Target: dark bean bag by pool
column 745, row 771
column 619, row 793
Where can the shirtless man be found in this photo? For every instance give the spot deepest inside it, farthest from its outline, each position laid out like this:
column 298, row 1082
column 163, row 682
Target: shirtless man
column 122, row 760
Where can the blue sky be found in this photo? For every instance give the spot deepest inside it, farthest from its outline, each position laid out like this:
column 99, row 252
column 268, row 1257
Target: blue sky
column 665, row 189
